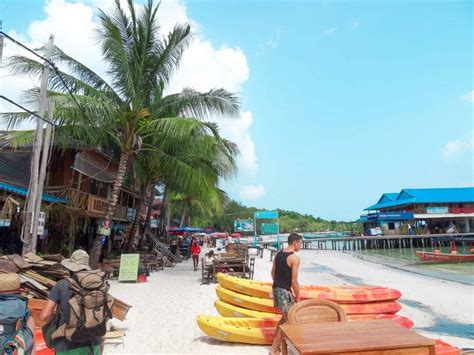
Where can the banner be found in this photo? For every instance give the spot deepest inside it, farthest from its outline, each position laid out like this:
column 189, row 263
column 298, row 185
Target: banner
column 243, row 225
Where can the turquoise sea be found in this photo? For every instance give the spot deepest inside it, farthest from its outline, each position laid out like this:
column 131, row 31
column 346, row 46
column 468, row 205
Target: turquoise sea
column 407, row 260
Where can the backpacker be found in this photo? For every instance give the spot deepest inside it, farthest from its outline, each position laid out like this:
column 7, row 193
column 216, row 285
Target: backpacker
column 15, row 335
column 90, row 307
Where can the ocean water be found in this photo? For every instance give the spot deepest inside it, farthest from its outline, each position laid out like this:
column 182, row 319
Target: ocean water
column 406, row 259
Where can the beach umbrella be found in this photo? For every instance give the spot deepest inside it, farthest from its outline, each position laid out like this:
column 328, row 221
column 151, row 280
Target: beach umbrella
column 236, row 235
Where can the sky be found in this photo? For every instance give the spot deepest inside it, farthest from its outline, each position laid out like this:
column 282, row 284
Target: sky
column 341, row 100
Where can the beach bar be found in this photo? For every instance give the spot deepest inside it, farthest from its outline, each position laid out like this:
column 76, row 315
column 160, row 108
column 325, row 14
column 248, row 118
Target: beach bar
column 421, row 212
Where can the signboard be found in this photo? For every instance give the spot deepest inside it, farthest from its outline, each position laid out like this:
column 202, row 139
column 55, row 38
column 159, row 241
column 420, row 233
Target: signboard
column 129, row 267
column 269, row 228
column 437, row 210
column 390, row 216
column 153, row 223
column 41, row 219
column 266, row 214
column 131, row 212
column 4, row 223
column 243, row 225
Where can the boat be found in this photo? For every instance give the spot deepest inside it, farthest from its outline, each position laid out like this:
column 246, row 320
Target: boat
column 337, row 293
column 259, row 330
column 266, row 304
column 444, row 257
column 228, row 310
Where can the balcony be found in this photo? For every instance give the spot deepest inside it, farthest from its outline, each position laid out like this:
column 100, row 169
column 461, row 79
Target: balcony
column 95, row 206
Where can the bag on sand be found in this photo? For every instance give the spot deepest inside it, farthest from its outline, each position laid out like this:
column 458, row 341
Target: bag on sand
column 89, row 307
column 15, row 335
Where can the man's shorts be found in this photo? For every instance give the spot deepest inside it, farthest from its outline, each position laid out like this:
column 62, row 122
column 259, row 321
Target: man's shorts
column 282, row 299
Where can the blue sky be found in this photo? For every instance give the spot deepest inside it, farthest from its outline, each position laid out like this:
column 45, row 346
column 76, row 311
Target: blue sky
column 348, row 99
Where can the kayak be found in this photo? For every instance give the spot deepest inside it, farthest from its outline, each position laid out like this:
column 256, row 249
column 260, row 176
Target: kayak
column 338, row 293
column 444, row 257
column 241, row 330
column 238, row 330
column 229, row 310
column 266, row 304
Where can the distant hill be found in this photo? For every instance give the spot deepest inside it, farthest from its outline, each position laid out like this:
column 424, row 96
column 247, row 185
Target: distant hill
column 290, row 221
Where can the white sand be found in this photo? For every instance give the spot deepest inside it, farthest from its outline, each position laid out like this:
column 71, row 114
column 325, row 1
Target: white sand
column 163, row 317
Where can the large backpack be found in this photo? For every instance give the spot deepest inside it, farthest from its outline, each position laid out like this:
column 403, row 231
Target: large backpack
column 15, row 335
column 89, row 307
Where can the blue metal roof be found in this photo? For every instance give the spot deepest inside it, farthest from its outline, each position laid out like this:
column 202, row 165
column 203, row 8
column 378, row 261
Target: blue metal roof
column 414, row 196
column 22, row 191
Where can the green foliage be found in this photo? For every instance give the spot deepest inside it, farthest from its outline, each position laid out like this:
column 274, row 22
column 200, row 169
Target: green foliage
column 290, row 221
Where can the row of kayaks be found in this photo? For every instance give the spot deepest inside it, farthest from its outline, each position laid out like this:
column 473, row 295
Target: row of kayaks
column 339, row 293
column 248, row 315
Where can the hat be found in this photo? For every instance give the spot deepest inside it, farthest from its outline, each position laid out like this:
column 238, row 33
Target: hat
column 9, row 282
column 78, row 261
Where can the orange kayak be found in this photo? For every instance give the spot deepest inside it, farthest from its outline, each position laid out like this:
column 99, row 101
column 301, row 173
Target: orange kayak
column 337, row 293
column 266, row 304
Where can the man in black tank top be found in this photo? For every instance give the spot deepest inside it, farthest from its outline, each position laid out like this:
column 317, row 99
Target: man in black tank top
column 285, row 279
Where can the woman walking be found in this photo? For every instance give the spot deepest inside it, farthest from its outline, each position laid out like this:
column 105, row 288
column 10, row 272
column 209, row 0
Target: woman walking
column 195, row 251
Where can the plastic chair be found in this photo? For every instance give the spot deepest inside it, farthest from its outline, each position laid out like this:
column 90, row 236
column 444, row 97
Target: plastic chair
column 316, row 311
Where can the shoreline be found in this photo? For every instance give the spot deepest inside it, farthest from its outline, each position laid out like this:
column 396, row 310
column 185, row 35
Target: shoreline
column 163, row 317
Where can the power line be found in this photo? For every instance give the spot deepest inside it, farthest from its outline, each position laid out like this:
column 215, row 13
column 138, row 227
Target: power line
column 25, row 47
column 29, row 111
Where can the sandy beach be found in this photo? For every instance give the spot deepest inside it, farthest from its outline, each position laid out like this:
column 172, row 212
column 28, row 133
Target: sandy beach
column 162, row 319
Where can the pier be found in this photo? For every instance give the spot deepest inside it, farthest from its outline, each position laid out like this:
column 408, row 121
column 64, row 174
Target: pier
column 382, row 242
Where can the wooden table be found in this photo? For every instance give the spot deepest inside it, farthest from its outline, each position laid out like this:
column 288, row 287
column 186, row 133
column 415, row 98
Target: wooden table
column 374, row 337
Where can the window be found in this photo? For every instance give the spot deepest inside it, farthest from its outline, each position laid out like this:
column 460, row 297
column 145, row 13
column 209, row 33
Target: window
column 391, row 226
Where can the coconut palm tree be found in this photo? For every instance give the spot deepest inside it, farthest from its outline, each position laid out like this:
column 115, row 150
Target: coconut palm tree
column 131, row 113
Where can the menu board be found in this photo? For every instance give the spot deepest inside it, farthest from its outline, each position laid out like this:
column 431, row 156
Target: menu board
column 129, row 267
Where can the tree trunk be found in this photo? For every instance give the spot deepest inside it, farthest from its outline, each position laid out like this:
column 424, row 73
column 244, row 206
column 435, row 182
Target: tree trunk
column 122, row 168
column 164, row 215
column 183, row 213
column 150, row 197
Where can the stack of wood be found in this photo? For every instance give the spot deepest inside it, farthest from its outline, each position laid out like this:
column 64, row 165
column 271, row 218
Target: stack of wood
column 39, row 274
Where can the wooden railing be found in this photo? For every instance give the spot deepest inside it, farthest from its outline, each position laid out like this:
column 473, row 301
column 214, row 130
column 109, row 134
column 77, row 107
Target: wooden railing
column 95, row 205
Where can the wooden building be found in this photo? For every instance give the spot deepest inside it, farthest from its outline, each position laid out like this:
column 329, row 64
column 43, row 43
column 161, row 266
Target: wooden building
column 421, row 211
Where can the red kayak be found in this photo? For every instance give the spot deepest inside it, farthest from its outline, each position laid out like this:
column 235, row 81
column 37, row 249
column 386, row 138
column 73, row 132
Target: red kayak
column 444, row 257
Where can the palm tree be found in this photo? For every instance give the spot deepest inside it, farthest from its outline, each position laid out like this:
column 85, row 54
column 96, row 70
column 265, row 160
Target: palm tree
column 133, row 108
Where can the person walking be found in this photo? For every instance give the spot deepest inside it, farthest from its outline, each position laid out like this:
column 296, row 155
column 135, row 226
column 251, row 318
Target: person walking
column 285, row 280
column 195, row 251
column 63, row 295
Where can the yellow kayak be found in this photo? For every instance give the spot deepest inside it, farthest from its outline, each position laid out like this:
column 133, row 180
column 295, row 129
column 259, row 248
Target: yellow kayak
column 229, row 310
column 262, row 330
column 337, row 293
column 238, row 330
column 266, row 305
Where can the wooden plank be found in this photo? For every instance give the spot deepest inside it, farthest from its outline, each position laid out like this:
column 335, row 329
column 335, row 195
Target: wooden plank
column 38, row 285
column 33, row 258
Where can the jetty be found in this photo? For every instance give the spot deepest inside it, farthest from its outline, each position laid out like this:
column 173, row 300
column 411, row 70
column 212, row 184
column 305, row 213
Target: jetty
column 380, row 242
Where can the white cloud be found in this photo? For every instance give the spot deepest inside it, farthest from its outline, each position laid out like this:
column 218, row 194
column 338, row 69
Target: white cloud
column 203, row 66
column 252, row 192
column 458, row 146
column 469, row 97
column 330, row 31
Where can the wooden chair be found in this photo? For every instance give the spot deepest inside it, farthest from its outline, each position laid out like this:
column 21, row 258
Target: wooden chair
column 316, row 311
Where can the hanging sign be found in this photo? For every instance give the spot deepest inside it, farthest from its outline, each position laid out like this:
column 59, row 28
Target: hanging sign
column 4, row 223
column 269, row 228
column 243, row 225
column 129, row 267
column 153, row 223
column 266, row 214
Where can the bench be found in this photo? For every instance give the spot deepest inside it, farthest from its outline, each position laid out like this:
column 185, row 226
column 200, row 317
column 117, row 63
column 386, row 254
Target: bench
column 111, row 267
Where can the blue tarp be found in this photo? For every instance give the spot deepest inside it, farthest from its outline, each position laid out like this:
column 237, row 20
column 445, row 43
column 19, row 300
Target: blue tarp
column 22, row 191
column 187, row 229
